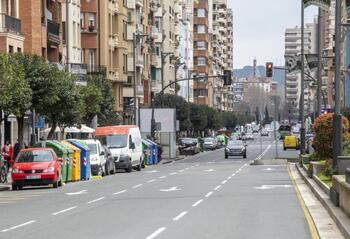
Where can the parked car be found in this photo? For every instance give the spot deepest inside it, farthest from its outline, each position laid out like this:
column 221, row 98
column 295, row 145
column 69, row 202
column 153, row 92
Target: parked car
column 264, row 132
column 236, row 148
column 110, row 165
column 125, row 144
column 249, row 136
column 291, row 142
column 188, row 146
column 210, row 143
column 97, row 157
column 36, row 167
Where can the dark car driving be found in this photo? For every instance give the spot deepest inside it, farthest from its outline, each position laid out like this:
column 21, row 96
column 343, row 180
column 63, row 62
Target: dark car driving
column 188, row 146
column 236, row 148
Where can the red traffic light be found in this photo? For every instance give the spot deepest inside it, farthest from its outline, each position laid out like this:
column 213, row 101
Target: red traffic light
column 269, row 69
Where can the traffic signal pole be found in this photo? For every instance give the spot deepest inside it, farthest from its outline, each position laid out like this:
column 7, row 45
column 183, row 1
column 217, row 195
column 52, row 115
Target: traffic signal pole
column 302, row 96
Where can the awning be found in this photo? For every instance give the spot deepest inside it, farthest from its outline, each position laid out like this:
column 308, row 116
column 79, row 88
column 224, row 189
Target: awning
column 57, row 130
column 86, row 129
column 72, row 130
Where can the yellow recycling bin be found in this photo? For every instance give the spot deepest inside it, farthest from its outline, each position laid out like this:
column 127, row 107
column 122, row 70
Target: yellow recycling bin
column 76, row 161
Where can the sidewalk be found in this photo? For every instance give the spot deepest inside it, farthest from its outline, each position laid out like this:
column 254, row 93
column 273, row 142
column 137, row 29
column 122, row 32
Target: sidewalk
column 320, row 221
column 6, row 186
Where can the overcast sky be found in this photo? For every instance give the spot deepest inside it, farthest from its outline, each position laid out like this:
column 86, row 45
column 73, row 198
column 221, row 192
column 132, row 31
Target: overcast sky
column 259, row 27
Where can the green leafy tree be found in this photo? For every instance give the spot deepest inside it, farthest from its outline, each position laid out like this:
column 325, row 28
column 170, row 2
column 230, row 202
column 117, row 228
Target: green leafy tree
column 198, row 118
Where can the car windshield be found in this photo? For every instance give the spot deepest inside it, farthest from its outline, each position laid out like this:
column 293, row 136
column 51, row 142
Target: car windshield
column 187, row 141
column 35, row 156
column 235, row 143
column 93, row 148
column 117, row 141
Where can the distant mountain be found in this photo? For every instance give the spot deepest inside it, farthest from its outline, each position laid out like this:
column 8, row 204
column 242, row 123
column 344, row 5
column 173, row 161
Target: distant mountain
column 247, row 71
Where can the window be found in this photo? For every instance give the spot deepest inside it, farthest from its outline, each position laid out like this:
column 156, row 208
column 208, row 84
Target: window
column 19, row 50
column 201, row 12
column 201, row 61
column 64, row 32
column 201, row 45
column 125, row 2
column 74, row 34
column 10, row 49
column 125, row 63
column 125, row 30
column 82, row 23
column 92, row 58
column 201, row 29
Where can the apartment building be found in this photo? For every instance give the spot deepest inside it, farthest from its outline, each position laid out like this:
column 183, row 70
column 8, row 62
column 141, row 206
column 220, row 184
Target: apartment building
column 185, row 48
column 202, row 22
column 11, row 32
column 293, row 80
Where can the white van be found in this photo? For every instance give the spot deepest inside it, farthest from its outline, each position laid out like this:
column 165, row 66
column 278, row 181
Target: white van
column 97, row 157
column 125, row 144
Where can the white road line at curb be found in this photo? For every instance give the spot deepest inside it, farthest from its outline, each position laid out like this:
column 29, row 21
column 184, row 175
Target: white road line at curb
column 18, row 226
column 223, row 182
column 95, row 200
column 151, row 181
column 178, row 217
column 137, row 186
column 64, row 210
column 217, row 187
column 173, row 173
column 156, row 233
column 120, row 192
column 197, row 203
column 208, row 194
column 162, row 177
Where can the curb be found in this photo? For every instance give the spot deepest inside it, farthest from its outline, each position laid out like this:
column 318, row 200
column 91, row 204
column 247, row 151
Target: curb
column 5, row 188
column 339, row 217
column 269, row 162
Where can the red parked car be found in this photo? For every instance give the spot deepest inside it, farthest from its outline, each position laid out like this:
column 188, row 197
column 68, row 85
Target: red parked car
column 36, row 167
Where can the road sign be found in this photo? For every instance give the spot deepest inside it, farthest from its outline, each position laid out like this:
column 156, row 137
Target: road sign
column 41, row 123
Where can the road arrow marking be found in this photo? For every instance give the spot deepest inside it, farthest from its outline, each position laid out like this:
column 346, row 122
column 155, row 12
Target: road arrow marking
column 172, row 189
column 77, row 193
column 264, row 187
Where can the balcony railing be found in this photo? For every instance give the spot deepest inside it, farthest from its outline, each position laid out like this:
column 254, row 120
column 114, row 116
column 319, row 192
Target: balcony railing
column 53, row 32
column 10, row 24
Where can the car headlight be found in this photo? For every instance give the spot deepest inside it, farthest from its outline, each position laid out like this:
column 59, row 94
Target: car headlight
column 49, row 170
column 16, row 171
column 227, row 149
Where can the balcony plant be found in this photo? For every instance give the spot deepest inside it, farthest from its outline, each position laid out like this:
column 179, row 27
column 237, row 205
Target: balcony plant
column 91, row 28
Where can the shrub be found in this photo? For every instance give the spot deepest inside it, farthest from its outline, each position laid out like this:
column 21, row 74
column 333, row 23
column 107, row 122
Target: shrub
column 323, row 141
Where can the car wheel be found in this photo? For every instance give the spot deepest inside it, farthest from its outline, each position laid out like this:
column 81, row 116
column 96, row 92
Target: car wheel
column 138, row 168
column 20, row 187
column 284, row 148
column 143, row 164
column 226, row 156
column 129, row 169
column 245, row 156
column 56, row 184
column 14, row 187
column 107, row 169
column 113, row 169
column 100, row 171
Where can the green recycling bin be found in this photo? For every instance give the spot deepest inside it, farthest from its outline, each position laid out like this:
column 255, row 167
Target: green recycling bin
column 69, row 160
column 61, row 152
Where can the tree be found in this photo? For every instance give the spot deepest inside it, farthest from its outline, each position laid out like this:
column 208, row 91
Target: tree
column 20, row 93
column 198, row 119
column 324, row 135
column 267, row 116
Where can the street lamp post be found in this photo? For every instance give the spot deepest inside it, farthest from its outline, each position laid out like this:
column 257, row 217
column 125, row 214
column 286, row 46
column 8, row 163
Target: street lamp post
column 302, row 130
column 337, row 118
column 163, row 57
column 176, row 68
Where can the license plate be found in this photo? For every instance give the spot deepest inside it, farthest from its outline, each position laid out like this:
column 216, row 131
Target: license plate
column 33, row 177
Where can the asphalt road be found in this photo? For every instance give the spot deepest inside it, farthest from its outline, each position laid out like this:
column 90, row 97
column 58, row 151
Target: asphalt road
column 205, row 196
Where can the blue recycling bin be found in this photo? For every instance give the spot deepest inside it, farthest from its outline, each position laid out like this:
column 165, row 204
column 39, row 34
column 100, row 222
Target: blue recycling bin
column 85, row 167
column 147, row 149
column 154, row 152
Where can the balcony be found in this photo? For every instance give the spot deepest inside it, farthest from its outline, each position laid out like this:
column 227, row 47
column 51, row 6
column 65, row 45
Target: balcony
column 157, row 35
column 10, row 24
column 53, row 32
column 94, row 69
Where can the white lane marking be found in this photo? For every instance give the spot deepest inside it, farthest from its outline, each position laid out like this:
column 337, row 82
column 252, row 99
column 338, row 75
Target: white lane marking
column 162, row 177
column 245, row 165
column 209, row 170
column 151, row 181
column 120, row 192
column 187, row 168
column 64, row 210
column 208, row 194
column 233, row 174
column 197, row 203
column 156, row 233
column 223, row 182
column 228, row 178
column 178, row 217
column 268, row 169
column 95, row 200
column 152, row 171
column 217, row 187
column 182, row 170
column 173, row 173
column 137, row 186
column 77, row 193
column 170, row 189
column 18, row 226
column 264, row 187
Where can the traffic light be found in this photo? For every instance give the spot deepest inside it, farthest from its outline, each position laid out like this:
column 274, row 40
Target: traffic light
column 227, row 77
column 269, row 69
